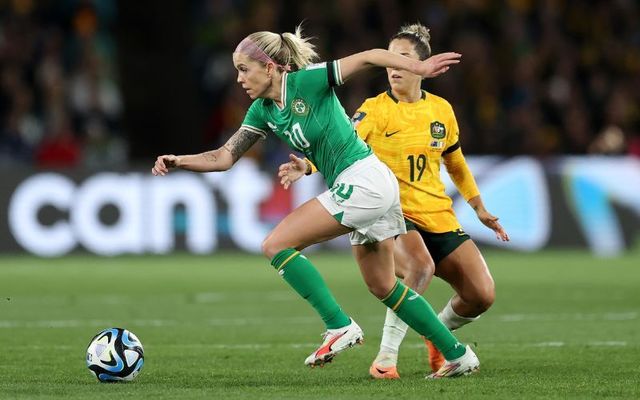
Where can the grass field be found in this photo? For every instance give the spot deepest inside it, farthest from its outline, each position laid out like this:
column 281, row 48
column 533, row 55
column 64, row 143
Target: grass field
column 565, row 325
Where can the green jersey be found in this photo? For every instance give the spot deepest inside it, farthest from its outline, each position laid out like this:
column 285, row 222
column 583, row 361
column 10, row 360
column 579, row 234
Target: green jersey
column 312, row 120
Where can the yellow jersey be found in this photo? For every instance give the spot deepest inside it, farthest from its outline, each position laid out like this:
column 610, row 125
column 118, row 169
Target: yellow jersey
column 413, row 139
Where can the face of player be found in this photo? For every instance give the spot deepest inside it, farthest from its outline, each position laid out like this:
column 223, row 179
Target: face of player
column 402, row 81
column 252, row 75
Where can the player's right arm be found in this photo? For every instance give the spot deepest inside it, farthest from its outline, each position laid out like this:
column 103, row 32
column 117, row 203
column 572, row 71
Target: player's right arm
column 220, row 159
column 462, row 177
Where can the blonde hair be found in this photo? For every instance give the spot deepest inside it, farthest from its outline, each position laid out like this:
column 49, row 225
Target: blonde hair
column 287, row 49
column 417, row 34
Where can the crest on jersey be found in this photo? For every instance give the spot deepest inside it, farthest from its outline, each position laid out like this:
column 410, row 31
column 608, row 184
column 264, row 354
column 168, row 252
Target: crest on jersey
column 438, row 130
column 357, row 117
column 299, row 107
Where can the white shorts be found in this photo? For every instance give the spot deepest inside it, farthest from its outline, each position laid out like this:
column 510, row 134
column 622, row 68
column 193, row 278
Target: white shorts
column 366, row 197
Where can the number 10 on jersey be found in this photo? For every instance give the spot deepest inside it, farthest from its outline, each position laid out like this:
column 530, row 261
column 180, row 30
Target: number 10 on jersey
column 296, row 137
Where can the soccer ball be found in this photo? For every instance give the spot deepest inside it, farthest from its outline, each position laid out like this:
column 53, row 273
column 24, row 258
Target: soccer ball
column 115, row 354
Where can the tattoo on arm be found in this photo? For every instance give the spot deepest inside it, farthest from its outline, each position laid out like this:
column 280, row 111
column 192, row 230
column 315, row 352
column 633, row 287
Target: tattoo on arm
column 240, row 142
column 210, row 156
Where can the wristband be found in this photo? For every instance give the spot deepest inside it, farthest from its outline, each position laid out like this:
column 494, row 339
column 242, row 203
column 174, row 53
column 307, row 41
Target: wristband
column 309, row 169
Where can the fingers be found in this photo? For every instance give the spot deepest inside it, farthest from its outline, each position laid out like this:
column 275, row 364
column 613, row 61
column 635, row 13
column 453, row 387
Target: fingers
column 491, row 222
column 162, row 165
column 159, row 168
column 441, row 71
column 285, row 180
column 283, row 170
column 440, row 63
column 448, row 56
column 501, row 234
column 297, row 162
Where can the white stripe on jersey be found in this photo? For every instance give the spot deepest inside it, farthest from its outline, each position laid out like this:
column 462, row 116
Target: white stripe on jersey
column 253, row 129
column 283, row 92
column 315, row 66
column 338, row 73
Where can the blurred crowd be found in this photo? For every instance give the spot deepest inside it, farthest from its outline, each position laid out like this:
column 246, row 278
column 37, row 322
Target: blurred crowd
column 541, row 78
column 60, row 104
column 537, row 77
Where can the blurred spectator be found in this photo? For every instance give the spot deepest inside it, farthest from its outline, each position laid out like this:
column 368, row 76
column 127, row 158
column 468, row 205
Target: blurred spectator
column 540, row 78
column 59, row 103
column 60, row 148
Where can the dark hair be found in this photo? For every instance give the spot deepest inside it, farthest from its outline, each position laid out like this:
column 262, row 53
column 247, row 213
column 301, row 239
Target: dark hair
column 417, row 34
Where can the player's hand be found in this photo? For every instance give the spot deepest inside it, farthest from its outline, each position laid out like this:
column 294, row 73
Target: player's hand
column 492, row 223
column 438, row 64
column 163, row 164
column 292, row 171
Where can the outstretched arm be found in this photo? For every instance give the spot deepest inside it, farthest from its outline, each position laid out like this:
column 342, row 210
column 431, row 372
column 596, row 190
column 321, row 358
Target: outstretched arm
column 429, row 68
column 220, row 159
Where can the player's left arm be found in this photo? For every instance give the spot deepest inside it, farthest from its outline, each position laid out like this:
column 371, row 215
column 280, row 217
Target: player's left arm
column 429, row 68
column 462, row 177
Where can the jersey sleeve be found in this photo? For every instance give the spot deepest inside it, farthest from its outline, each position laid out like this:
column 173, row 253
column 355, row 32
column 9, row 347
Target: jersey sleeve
column 453, row 139
column 456, row 164
column 254, row 120
column 321, row 77
column 363, row 120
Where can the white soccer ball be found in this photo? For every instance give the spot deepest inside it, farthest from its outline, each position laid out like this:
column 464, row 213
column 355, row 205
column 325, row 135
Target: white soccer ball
column 115, row 354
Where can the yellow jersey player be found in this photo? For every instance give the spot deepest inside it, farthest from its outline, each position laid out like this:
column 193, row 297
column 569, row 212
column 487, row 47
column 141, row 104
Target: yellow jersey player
column 414, row 132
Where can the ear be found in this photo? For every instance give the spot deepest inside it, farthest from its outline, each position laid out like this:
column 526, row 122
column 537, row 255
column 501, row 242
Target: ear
column 271, row 68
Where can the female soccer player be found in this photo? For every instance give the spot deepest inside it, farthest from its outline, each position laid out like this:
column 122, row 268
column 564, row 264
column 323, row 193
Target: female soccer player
column 412, row 131
column 295, row 100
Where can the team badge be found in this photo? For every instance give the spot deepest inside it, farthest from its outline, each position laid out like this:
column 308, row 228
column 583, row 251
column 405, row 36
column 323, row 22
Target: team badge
column 357, row 117
column 299, row 107
column 438, row 130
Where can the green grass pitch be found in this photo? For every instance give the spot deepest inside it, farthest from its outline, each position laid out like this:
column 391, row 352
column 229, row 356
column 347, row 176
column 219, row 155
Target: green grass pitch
column 565, row 325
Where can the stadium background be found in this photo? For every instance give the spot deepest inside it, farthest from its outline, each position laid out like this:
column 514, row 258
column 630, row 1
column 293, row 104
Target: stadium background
column 91, row 91
column 90, row 87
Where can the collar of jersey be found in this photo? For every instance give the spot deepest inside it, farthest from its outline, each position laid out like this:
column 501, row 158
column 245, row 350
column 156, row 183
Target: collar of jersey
column 283, row 92
column 390, row 94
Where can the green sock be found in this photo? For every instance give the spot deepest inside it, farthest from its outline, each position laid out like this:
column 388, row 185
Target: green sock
column 418, row 314
column 307, row 281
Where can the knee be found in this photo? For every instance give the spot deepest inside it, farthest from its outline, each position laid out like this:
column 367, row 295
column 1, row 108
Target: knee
column 422, row 266
column 485, row 299
column 418, row 271
column 381, row 289
column 271, row 247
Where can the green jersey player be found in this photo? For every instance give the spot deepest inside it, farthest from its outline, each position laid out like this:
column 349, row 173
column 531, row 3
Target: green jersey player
column 295, row 100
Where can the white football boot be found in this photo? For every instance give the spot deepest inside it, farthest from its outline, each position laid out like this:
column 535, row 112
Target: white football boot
column 463, row 365
column 335, row 341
